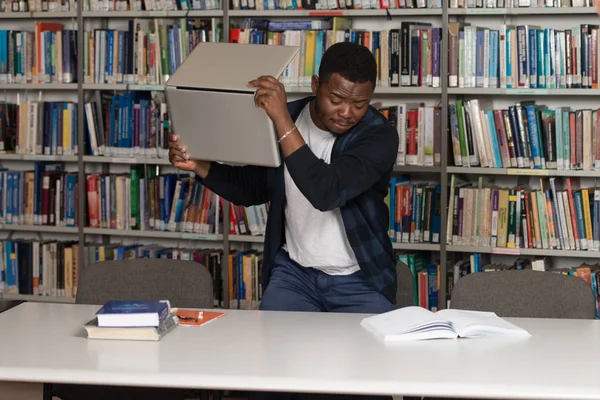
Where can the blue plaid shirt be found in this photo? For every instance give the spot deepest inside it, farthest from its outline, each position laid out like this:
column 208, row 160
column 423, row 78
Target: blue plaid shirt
column 356, row 181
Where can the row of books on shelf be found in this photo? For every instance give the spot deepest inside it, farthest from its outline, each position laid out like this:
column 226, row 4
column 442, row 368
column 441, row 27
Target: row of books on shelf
column 482, row 263
column 132, row 124
column 521, row 3
column 521, row 217
column 45, row 196
column 524, row 135
column 414, row 211
column 107, row 5
column 426, row 276
column 522, row 56
column 143, row 200
column 407, row 56
column 332, row 4
column 147, row 201
column 549, row 217
column 150, row 5
column 31, row 267
column 8, row 6
column 169, row 5
column 52, row 268
column 147, row 53
column 419, row 131
column 38, row 127
column 48, row 54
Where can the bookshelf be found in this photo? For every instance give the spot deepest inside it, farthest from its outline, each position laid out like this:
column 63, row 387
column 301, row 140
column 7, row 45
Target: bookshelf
column 370, row 18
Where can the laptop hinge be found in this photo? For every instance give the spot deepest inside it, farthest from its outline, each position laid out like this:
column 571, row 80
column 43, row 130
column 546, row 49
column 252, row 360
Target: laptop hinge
column 200, row 89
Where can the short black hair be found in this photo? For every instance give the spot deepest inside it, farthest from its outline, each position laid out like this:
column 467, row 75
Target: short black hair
column 352, row 61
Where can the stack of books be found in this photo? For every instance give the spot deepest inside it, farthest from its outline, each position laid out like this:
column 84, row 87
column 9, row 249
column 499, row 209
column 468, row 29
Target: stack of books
column 132, row 320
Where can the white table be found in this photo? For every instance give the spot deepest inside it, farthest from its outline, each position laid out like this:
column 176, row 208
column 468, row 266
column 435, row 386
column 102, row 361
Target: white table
column 302, row 352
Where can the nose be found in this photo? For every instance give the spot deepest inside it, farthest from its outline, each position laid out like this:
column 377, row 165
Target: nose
column 345, row 112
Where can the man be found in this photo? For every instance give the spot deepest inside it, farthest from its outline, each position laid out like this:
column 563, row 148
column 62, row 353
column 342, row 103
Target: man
column 326, row 245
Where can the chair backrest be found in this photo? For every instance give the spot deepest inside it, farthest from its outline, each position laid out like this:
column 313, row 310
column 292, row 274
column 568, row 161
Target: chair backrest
column 526, row 294
column 185, row 284
column 405, row 290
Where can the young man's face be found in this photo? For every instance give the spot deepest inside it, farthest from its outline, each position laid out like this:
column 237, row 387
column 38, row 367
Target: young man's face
column 340, row 104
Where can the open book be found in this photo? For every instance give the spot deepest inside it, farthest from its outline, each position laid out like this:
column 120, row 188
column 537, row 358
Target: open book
column 417, row 323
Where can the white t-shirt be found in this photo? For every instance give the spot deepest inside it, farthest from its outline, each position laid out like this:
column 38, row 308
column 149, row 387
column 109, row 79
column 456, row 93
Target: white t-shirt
column 314, row 238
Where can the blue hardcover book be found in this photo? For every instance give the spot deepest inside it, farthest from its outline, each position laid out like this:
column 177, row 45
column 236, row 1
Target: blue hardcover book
column 578, row 202
column 300, row 25
column 536, row 154
column 320, row 49
column 3, row 56
column 494, row 138
column 509, row 67
column 110, row 40
column 8, row 208
column 121, row 60
column 432, row 286
column 494, row 46
column 532, row 58
column 127, row 313
column 70, row 181
column 11, row 267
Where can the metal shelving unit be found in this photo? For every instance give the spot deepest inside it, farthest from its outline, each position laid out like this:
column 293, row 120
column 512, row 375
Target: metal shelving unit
column 495, row 12
column 416, row 246
column 28, row 157
column 336, row 13
column 521, row 172
column 38, row 228
column 153, row 234
column 153, row 14
column 407, row 169
column 523, row 92
column 246, row 238
column 125, row 160
column 524, row 252
column 39, row 15
column 36, row 86
column 396, row 246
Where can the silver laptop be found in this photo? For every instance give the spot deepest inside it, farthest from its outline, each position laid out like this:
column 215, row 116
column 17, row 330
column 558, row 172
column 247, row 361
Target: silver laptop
column 212, row 110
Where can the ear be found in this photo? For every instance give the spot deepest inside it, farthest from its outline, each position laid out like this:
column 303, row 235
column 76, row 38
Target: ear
column 314, row 84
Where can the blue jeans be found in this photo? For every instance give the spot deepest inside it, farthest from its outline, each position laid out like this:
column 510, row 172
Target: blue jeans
column 293, row 287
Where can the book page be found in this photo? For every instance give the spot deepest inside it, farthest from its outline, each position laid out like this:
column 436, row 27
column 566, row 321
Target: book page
column 469, row 324
column 400, row 324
